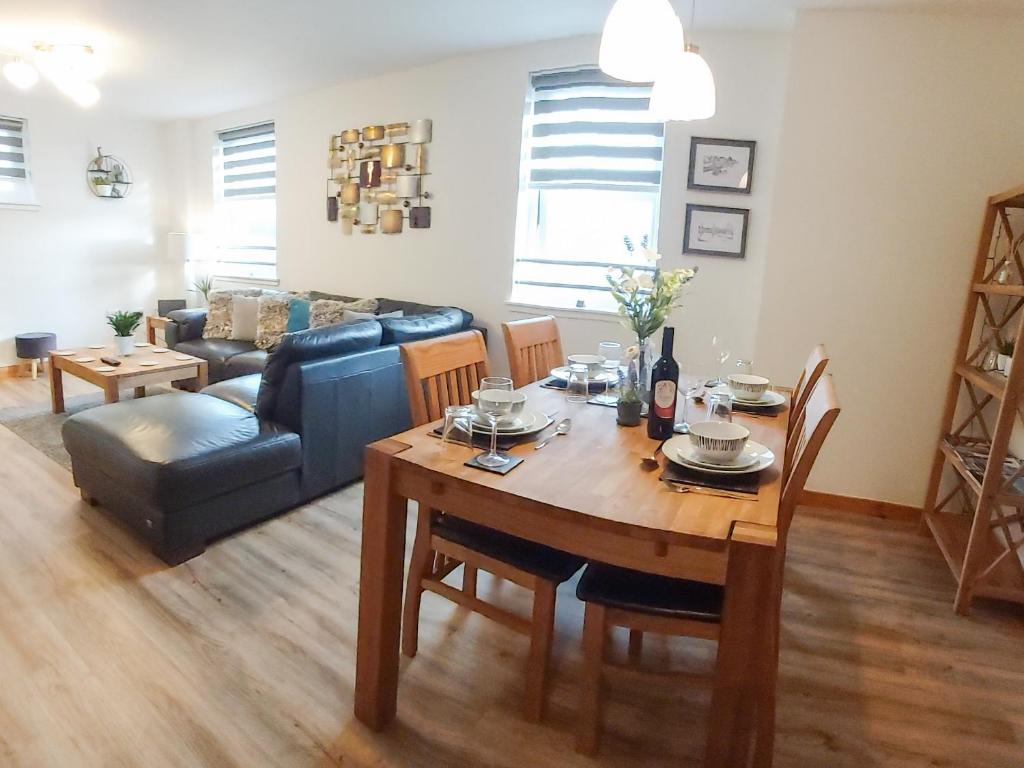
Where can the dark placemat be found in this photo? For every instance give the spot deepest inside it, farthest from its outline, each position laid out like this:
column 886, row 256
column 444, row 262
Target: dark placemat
column 774, row 410
column 595, row 387
column 746, row 482
column 482, row 437
column 504, row 469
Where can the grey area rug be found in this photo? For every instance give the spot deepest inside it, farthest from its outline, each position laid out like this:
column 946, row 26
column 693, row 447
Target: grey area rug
column 39, row 426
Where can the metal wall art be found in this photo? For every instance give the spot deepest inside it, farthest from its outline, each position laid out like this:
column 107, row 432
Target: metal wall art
column 378, row 177
column 108, row 176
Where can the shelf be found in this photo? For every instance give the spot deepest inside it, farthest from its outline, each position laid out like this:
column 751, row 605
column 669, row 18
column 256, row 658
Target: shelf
column 952, row 532
column 999, row 289
column 992, row 383
column 956, row 461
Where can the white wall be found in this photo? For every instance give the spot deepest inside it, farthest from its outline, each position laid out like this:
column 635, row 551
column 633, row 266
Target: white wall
column 476, row 104
column 77, row 257
column 897, row 128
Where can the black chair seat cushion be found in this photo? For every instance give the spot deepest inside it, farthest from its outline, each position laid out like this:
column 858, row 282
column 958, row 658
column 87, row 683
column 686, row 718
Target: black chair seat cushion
column 216, row 352
column 240, row 391
column 546, row 562
column 245, row 363
column 175, row 450
column 648, row 593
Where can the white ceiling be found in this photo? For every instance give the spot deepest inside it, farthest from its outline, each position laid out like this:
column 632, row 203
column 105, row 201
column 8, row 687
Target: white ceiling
column 185, row 58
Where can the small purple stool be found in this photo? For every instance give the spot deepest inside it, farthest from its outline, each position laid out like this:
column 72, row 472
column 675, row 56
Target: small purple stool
column 35, row 347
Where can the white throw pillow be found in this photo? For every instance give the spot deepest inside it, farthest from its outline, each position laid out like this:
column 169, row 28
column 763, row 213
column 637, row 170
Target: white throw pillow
column 352, row 317
column 244, row 312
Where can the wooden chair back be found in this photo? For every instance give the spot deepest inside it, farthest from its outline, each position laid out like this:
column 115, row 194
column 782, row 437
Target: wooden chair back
column 534, row 347
column 813, row 368
column 812, row 427
column 443, row 371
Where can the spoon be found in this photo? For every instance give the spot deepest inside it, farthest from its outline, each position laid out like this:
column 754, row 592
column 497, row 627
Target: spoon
column 651, row 462
column 562, row 429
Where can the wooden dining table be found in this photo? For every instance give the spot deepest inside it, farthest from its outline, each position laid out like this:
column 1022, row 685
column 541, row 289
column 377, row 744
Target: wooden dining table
column 585, row 493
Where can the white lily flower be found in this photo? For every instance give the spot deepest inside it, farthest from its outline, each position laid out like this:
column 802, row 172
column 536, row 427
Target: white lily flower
column 645, row 281
column 630, row 284
column 652, row 257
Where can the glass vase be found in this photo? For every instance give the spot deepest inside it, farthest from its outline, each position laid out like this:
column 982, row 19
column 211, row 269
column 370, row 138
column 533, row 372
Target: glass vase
column 645, row 362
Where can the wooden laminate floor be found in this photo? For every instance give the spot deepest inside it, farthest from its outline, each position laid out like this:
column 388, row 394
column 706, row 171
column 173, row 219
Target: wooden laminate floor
column 244, row 656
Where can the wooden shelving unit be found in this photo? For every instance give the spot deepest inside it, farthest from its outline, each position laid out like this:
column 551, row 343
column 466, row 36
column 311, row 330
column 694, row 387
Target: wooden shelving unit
column 975, row 503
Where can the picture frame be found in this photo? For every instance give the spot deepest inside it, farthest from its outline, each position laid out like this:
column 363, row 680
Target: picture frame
column 721, row 165
column 712, row 230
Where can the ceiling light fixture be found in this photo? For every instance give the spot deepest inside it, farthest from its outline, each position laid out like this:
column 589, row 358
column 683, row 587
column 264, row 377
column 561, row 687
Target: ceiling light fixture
column 685, row 88
column 71, row 68
column 21, row 74
column 638, row 36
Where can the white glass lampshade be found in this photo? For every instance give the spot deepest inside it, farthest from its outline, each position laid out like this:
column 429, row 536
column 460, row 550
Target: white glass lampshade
column 82, row 92
column 638, row 36
column 21, row 74
column 684, row 89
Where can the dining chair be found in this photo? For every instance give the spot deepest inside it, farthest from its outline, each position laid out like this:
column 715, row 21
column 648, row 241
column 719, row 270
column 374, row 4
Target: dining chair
column 534, row 347
column 812, row 370
column 617, row 597
column 441, row 372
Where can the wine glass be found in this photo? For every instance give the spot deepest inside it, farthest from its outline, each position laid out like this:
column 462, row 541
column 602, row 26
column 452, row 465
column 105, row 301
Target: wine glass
column 691, row 382
column 611, row 351
column 720, row 352
column 494, row 404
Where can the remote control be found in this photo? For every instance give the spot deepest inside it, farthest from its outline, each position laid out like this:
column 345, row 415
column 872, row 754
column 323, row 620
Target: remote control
column 111, row 361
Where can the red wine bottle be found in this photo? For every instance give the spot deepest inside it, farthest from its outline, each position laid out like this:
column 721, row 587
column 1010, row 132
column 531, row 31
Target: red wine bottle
column 664, row 389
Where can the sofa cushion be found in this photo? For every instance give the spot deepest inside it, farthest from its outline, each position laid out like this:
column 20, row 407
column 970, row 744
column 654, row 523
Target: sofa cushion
column 179, row 449
column 400, row 330
column 318, row 295
column 313, row 344
column 324, row 312
column 216, row 352
column 240, row 391
column 244, row 311
column 246, row 363
column 298, row 315
column 385, row 305
column 272, row 319
column 188, row 325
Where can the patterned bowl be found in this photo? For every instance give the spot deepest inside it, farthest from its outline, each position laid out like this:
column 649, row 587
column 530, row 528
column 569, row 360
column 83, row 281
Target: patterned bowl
column 718, row 442
column 746, row 386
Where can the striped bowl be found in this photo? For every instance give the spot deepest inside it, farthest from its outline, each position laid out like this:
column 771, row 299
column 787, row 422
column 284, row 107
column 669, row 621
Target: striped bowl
column 718, row 442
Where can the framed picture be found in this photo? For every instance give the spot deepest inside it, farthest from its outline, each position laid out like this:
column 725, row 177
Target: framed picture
column 714, row 231
column 721, row 165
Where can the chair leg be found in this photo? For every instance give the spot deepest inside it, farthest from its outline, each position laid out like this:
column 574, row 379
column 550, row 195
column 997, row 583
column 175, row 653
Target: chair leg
column 764, row 740
column 469, row 579
column 636, row 643
column 595, row 634
column 420, row 566
column 543, row 629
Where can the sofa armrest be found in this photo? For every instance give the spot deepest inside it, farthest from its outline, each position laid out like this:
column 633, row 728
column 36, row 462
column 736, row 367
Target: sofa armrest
column 185, row 325
column 483, row 331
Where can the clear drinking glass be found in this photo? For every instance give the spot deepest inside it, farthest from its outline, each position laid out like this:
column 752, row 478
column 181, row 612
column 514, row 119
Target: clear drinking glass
column 745, row 366
column 494, row 408
column 611, row 351
column 578, row 389
column 457, row 417
column 690, row 385
column 720, row 352
column 719, row 406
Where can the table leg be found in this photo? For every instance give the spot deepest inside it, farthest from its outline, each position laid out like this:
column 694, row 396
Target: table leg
column 140, row 391
column 202, row 375
column 56, row 388
column 150, row 331
column 111, row 394
column 380, row 588
column 744, row 647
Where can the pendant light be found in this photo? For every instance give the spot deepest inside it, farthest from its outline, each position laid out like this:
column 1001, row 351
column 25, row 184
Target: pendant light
column 21, row 74
column 638, row 36
column 685, row 87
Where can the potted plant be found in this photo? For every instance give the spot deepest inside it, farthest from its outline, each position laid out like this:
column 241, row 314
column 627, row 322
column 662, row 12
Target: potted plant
column 124, row 325
column 1005, row 357
column 630, row 405
column 103, row 184
column 645, row 297
column 203, row 286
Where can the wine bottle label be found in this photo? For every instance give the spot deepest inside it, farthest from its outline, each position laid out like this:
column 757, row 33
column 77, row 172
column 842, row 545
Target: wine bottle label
column 665, row 399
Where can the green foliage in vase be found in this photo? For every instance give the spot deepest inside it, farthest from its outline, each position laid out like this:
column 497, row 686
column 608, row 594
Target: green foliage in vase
column 124, row 323
column 203, row 285
column 645, row 299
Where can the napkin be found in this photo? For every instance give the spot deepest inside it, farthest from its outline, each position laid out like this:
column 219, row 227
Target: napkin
column 745, row 482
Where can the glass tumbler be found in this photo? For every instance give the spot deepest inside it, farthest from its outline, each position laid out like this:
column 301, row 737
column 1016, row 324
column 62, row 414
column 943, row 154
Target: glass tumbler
column 458, row 417
column 719, row 406
column 578, row 388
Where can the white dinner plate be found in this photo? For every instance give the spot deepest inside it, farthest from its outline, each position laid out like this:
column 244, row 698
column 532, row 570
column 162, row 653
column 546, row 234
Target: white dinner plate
column 562, row 373
column 535, row 420
column 522, row 422
column 97, row 346
column 680, row 450
column 106, row 368
column 148, row 363
column 141, row 343
column 770, row 399
column 66, row 352
column 160, row 350
column 84, row 359
column 182, row 357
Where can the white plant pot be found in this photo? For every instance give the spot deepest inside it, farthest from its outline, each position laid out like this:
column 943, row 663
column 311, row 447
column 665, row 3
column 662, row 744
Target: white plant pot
column 1003, row 363
column 125, row 345
column 104, row 190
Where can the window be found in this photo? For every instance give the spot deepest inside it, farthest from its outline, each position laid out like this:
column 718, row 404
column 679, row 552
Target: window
column 590, row 176
column 245, row 220
column 15, row 174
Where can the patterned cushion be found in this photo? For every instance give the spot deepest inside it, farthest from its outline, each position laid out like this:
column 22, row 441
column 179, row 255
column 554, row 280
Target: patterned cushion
column 324, row 312
column 218, row 318
column 272, row 319
column 298, row 315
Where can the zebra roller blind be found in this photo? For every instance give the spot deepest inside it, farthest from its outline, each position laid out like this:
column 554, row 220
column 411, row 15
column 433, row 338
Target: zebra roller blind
column 248, row 161
column 13, row 158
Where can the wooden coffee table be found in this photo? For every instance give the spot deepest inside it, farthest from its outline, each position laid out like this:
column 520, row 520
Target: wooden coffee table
column 167, row 367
